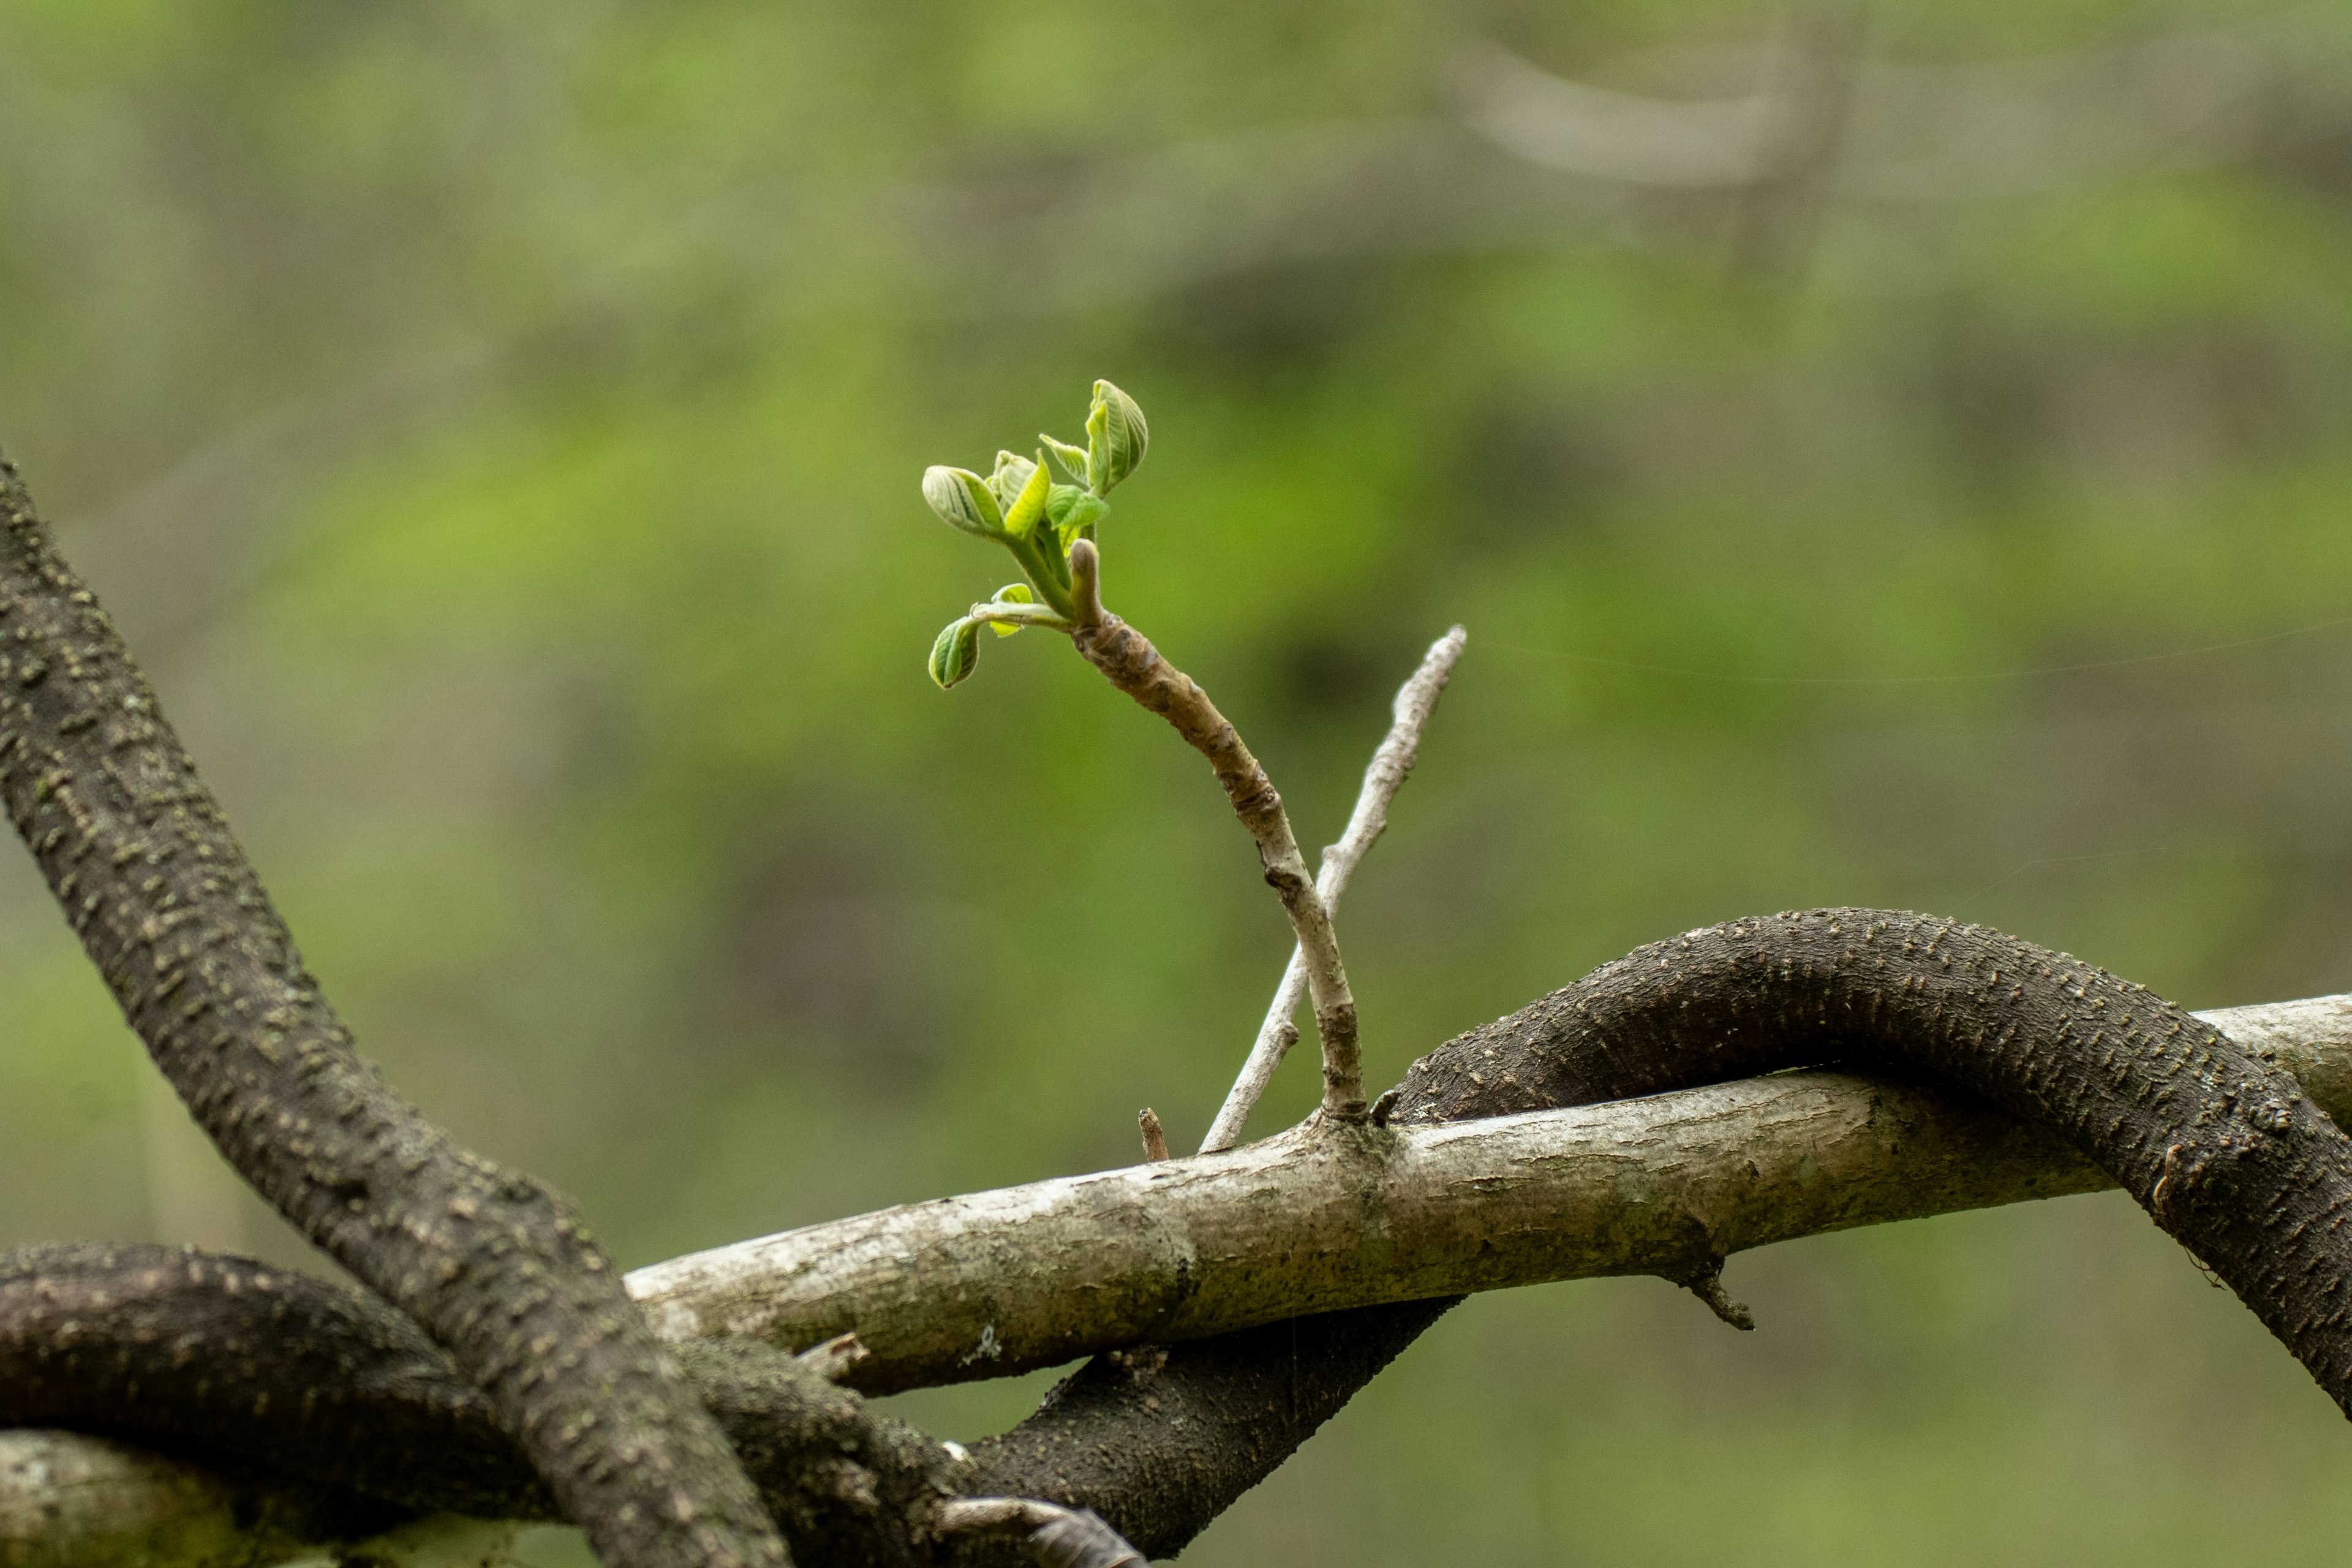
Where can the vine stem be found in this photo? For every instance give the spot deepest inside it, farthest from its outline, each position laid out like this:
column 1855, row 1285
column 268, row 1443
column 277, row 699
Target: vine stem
column 1128, row 659
column 495, row 1266
column 1390, row 765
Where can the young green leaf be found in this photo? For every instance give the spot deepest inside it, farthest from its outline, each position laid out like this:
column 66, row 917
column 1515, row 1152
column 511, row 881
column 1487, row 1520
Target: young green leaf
column 962, row 497
column 954, row 652
column 1012, row 473
column 1117, row 437
column 1011, row 593
column 1072, row 458
column 1028, row 507
column 1073, row 511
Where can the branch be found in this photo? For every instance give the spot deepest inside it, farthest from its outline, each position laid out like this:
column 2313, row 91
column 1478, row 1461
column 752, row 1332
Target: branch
column 1390, row 764
column 1127, row 659
column 988, row 1284
column 308, row 1381
column 1159, row 1442
column 495, row 1266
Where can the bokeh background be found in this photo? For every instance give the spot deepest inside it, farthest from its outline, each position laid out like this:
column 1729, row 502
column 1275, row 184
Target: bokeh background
column 1892, row 456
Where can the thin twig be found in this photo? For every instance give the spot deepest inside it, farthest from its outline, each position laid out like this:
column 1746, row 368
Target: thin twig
column 1390, row 765
column 1127, row 659
column 1155, row 1140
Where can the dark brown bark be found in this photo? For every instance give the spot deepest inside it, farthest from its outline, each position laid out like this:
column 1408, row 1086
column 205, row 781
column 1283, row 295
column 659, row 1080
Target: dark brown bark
column 234, row 1362
column 2218, row 1144
column 495, row 1266
column 2220, row 1147
column 2252, row 1177
column 239, row 1365
column 2220, row 1141
column 1159, row 1441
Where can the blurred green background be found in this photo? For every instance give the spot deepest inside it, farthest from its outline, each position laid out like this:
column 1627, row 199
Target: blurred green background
column 1893, row 456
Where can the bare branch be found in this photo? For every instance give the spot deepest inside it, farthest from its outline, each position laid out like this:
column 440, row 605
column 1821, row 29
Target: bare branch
column 1127, row 659
column 1155, row 1139
column 1043, row 1273
column 1391, row 764
column 1217, row 1415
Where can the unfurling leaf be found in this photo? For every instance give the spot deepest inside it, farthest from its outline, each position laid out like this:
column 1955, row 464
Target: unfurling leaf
column 955, row 651
column 962, row 497
column 1012, row 472
column 1011, row 593
column 1072, row 458
column 1028, row 506
column 1073, row 511
column 1117, row 439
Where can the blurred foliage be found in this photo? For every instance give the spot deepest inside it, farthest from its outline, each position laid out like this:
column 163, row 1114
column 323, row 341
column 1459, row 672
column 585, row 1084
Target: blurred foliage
column 501, row 428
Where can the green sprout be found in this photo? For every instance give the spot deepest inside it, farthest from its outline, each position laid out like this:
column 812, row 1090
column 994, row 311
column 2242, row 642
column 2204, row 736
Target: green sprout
column 1020, row 507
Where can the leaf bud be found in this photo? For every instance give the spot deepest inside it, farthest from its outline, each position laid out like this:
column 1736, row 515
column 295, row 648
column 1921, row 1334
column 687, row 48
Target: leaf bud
column 954, row 652
column 1011, row 593
column 1011, row 473
column 962, row 499
column 1072, row 458
column 1027, row 506
column 1117, row 439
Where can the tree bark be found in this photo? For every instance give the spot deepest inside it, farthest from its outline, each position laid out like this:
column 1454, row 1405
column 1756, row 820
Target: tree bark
column 494, row 1265
column 1157, row 1441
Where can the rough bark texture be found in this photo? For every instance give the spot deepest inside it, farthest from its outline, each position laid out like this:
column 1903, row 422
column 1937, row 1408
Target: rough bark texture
column 1160, row 1442
column 71, row 1500
column 1128, row 659
column 238, row 1365
column 495, row 1266
column 268, row 1374
column 1754, row 996
column 982, row 1284
column 2220, row 1146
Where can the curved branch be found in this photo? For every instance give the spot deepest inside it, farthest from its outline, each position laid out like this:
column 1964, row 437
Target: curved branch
column 2220, row 1146
column 1159, row 1441
column 497, row 1267
column 236, row 1364
column 1236, row 1435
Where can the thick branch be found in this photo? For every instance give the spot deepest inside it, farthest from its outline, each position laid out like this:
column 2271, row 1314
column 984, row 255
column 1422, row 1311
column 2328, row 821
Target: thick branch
column 231, row 1362
column 1390, row 764
column 1127, row 657
column 1156, row 1442
column 990, row 1283
column 494, row 1265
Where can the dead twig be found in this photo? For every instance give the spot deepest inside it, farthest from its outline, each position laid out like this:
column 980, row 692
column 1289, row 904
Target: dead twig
column 1390, row 765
